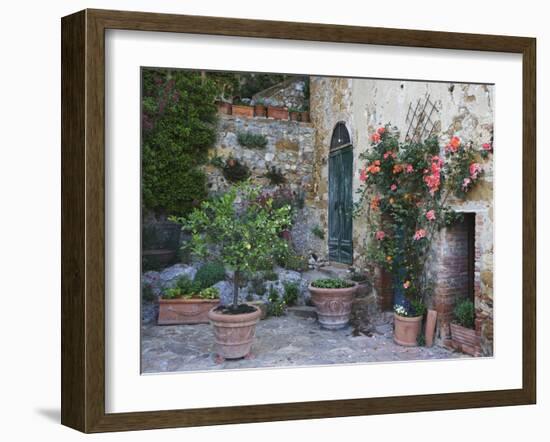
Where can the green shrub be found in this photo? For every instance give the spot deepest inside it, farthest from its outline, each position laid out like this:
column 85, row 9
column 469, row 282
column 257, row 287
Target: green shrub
column 209, row 293
column 318, row 232
column 331, row 283
column 178, row 127
column 291, row 293
column 292, row 261
column 209, row 274
column 275, row 175
column 186, row 286
column 464, row 313
column 271, row 275
column 276, row 305
column 258, row 286
column 252, row 140
column 235, row 171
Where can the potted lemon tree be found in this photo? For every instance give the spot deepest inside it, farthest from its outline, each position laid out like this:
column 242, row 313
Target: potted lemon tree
column 243, row 231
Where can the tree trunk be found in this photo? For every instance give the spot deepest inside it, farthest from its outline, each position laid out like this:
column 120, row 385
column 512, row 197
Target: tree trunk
column 236, row 276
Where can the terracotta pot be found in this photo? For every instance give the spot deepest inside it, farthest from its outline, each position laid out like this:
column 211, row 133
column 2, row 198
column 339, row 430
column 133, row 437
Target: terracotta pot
column 260, row 110
column 243, row 111
column 465, row 336
column 304, row 116
column 234, row 334
column 224, row 107
column 185, row 311
column 333, row 306
column 279, row 113
column 406, row 330
column 294, row 116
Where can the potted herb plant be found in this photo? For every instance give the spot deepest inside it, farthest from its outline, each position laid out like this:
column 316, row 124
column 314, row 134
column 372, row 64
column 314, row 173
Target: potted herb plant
column 332, row 299
column 244, row 234
column 464, row 336
column 186, row 303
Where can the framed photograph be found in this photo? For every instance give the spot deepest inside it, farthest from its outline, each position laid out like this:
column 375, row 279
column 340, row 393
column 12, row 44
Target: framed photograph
column 267, row 221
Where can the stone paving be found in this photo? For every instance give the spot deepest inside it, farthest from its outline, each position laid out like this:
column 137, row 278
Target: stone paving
column 286, row 341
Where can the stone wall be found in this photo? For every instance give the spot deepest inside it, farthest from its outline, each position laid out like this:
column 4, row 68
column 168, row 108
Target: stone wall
column 290, row 148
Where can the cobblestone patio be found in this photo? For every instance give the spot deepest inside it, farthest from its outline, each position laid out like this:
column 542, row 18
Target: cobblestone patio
column 285, row 341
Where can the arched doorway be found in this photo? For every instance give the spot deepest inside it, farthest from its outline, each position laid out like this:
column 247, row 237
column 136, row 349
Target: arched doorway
column 340, row 211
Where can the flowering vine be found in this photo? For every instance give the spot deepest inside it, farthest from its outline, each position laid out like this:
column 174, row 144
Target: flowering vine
column 404, row 191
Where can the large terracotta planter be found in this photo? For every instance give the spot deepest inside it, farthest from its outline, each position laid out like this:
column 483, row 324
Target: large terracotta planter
column 234, row 334
column 468, row 340
column 406, row 330
column 333, row 306
column 239, row 110
column 185, row 311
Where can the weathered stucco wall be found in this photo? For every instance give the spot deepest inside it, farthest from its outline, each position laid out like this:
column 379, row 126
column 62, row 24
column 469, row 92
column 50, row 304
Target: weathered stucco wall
column 458, row 109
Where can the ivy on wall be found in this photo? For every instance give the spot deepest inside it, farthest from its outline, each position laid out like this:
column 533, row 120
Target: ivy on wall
column 178, row 126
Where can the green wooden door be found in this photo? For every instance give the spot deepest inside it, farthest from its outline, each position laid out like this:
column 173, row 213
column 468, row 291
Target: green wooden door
column 340, row 214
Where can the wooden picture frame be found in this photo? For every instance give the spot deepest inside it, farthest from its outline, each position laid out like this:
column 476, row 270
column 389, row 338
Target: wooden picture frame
column 83, row 220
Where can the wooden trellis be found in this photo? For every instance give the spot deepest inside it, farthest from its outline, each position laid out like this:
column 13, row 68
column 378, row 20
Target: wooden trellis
column 420, row 119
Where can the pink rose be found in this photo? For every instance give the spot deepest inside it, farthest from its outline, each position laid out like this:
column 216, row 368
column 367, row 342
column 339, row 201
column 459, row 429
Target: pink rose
column 419, row 234
column 406, row 284
column 409, row 168
column 487, row 146
column 475, row 170
column 430, row 215
column 380, row 235
column 363, row 175
column 393, row 187
column 375, row 137
column 381, row 130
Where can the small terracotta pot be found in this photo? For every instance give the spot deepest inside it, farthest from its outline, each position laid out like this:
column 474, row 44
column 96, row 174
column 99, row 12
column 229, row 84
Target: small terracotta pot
column 294, row 116
column 465, row 336
column 243, row 111
column 406, row 330
column 304, row 116
column 185, row 311
column 234, row 334
column 260, row 110
column 224, row 107
column 279, row 113
column 333, row 306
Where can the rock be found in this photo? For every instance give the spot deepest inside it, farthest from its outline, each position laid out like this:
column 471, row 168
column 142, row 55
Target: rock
column 226, row 292
column 170, row 275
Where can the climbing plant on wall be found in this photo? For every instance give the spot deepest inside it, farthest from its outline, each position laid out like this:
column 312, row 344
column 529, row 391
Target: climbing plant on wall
column 405, row 193
column 178, row 126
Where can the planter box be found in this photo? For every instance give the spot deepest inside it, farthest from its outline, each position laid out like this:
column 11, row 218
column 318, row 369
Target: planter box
column 294, row 116
column 185, row 311
column 260, row 110
column 279, row 113
column 224, row 107
column 243, row 111
column 466, row 340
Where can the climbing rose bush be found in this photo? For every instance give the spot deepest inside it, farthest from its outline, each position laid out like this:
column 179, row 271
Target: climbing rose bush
column 405, row 188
